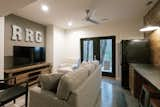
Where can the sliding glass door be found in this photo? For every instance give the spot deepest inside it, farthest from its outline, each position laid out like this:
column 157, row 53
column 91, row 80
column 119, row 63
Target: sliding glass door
column 102, row 49
column 107, row 56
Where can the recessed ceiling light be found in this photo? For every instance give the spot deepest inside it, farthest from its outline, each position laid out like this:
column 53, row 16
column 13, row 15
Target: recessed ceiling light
column 70, row 23
column 44, row 8
column 149, row 28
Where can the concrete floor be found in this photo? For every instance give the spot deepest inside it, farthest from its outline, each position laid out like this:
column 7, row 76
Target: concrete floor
column 112, row 95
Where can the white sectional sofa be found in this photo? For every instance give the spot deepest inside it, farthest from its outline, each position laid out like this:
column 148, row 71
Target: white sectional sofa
column 80, row 88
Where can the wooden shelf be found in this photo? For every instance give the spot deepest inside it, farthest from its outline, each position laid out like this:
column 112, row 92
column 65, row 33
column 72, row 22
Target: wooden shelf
column 28, row 73
column 20, row 69
column 33, row 82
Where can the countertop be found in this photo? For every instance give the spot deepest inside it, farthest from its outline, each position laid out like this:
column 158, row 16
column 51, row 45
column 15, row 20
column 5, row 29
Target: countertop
column 149, row 72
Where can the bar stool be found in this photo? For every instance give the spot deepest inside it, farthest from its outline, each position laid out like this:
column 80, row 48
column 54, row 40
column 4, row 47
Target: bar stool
column 145, row 95
column 155, row 102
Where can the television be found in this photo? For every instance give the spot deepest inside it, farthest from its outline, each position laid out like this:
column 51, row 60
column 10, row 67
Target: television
column 28, row 55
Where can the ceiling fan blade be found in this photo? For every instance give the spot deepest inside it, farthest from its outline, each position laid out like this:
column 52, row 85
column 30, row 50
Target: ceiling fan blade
column 93, row 13
column 104, row 19
column 92, row 21
column 90, row 13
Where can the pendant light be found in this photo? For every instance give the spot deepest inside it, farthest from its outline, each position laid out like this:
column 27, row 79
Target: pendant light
column 149, row 28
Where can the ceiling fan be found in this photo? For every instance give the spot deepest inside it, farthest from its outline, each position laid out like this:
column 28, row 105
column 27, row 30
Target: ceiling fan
column 90, row 14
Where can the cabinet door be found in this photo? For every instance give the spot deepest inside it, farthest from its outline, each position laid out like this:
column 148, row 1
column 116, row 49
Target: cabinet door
column 125, row 76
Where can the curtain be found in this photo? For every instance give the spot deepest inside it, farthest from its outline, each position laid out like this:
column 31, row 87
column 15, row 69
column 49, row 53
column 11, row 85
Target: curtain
column 87, row 50
column 105, row 51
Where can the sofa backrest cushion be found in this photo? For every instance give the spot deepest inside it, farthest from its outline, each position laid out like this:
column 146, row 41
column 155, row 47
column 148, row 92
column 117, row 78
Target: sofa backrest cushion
column 50, row 81
column 89, row 66
column 96, row 63
column 64, row 69
column 70, row 82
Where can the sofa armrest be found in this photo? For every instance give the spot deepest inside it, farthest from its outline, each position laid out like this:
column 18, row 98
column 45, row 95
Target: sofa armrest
column 44, row 98
column 87, row 93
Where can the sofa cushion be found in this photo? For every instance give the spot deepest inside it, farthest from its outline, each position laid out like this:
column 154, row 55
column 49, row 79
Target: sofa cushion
column 70, row 82
column 50, row 81
column 96, row 63
column 88, row 66
column 64, row 69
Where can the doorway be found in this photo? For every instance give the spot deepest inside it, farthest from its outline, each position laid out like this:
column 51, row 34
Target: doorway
column 102, row 49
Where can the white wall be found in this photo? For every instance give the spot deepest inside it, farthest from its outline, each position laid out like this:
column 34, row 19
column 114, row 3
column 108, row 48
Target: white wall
column 124, row 29
column 50, row 44
column 59, row 46
column 66, row 43
column 55, row 45
column 1, row 47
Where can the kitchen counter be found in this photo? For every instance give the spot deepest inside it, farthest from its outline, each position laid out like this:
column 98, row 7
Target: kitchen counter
column 149, row 72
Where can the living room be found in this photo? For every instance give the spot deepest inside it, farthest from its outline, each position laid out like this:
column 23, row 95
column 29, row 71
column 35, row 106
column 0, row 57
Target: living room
column 41, row 39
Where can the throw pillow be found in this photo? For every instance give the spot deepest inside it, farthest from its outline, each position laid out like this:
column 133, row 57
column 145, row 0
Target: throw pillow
column 50, row 81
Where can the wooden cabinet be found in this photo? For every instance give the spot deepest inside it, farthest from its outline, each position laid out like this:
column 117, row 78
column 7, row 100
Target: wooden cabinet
column 141, row 74
column 131, row 79
column 139, row 81
column 28, row 73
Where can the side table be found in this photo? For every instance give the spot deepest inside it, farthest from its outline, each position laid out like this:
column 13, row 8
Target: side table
column 11, row 93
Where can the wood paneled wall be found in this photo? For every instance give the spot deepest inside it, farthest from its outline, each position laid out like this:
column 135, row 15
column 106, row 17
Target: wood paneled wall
column 153, row 18
column 155, row 47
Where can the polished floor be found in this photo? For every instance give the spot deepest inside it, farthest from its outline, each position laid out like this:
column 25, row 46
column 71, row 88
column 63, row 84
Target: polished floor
column 112, row 95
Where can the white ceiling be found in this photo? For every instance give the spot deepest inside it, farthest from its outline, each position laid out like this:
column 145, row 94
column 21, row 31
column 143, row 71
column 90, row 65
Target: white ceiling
column 62, row 11
column 9, row 6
